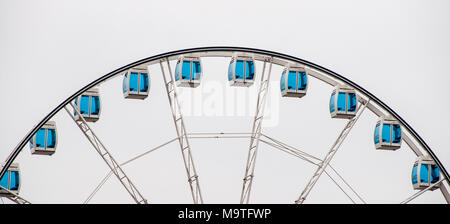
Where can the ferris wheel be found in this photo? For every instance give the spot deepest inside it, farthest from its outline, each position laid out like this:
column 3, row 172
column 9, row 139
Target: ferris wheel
column 184, row 69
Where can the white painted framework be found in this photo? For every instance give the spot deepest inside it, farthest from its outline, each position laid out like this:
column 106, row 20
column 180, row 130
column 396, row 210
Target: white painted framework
column 255, row 136
column 181, row 133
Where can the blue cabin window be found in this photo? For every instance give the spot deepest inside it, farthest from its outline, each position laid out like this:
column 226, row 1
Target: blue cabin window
column 143, row 86
column 424, row 173
column 396, row 133
column 196, row 70
column 376, row 135
column 124, row 83
column 186, row 70
column 230, row 71
column 434, row 173
column 10, row 180
column 292, row 80
column 249, row 70
column 177, row 71
column 341, row 102
column 414, row 174
column 84, row 105
column 5, row 179
column 386, row 133
column 351, row 102
column 14, row 182
column 51, row 138
column 332, row 99
column 134, row 82
column 40, row 138
column 283, row 81
column 301, row 85
column 239, row 70
column 95, row 105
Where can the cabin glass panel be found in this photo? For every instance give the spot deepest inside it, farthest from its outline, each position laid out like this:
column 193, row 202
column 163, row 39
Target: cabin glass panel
column 196, row 70
column 84, row 105
column 143, row 82
column 95, row 105
column 40, row 138
column 386, row 133
column 51, row 138
column 230, row 71
column 376, row 135
column 14, row 183
column 239, row 70
column 351, row 102
column 396, row 133
column 341, row 102
column 134, row 82
column 186, row 70
column 124, row 83
column 283, row 81
column 301, row 85
column 414, row 174
column 332, row 106
column 434, row 173
column 4, row 180
column 424, row 173
column 249, row 70
column 177, row 71
column 292, row 80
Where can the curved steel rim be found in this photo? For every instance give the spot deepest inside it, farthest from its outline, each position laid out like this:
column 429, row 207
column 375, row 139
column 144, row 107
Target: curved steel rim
column 373, row 98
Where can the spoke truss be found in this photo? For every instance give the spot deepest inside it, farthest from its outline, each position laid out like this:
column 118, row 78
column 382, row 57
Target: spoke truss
column 107, row 157
column 182, row 134
column 330, row 154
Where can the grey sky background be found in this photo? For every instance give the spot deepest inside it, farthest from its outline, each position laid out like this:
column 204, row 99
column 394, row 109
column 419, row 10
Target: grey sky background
column 398, row 50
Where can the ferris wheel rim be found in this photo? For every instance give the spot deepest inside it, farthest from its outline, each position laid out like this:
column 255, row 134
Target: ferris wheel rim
column 16, row 151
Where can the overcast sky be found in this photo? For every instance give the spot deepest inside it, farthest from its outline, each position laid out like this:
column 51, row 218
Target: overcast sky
column 397, row 50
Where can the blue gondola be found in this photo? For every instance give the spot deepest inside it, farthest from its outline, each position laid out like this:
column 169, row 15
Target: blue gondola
column 294, row 82
column 11, row 180
column 388, row 134
column 89, row 105
column 241, row 71
column 45, row 140
column 188, row 72
column 136, row 84
column 343, row 102
column 424, row 173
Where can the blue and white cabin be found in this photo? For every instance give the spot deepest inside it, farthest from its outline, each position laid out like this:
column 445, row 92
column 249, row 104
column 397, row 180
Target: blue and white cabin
column 136, row 84
column 241, row 71
column 11, row 180
column 387, row 134
column 343, row 102
column 88, row 103
column 294, row 82
column 188, row 72
column 45, row 140
column 424, row 173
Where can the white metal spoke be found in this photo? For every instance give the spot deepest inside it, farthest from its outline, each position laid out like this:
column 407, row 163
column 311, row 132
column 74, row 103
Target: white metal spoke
column 107, row 157
column 182, row 134
column 15, row 197
column 302, row 155
column 330, row 155
column 256, row 133
column 421, row 192
column 123, row 164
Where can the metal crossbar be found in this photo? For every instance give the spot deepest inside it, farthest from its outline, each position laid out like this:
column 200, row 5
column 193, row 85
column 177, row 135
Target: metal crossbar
column 14, row 197
column 182, row 134
column 330, row 154
column 107, row 157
